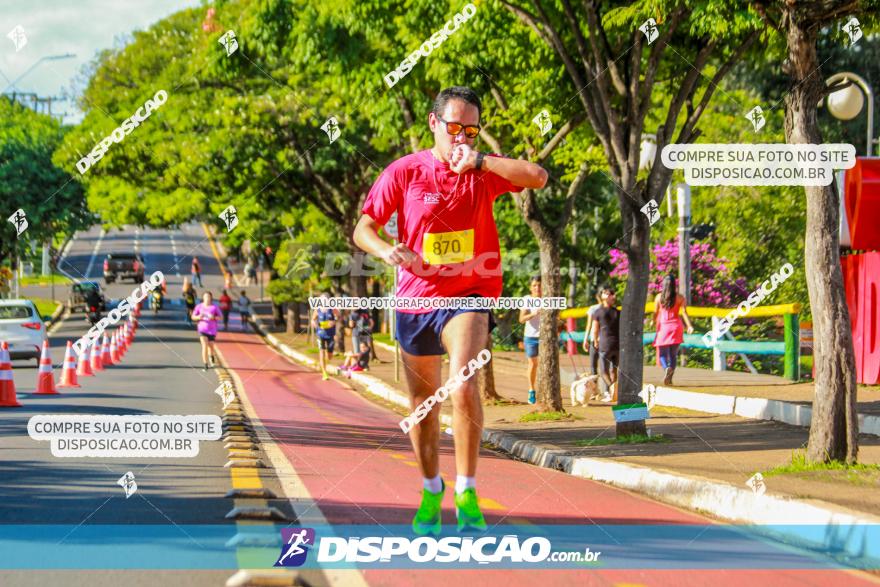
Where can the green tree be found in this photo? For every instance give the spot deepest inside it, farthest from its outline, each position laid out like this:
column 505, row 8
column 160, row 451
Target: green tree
column 51, row 198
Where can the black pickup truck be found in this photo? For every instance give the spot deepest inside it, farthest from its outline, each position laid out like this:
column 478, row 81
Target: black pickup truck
column 118, row 266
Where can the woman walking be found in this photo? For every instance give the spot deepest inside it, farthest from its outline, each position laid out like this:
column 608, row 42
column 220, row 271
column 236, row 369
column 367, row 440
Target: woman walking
column 207, row 314
column 532, row 320
column 668, row 326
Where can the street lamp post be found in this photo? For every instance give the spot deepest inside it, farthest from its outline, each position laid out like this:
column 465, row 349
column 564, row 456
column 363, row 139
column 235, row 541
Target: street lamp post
column 39, row 61
column 846, row 104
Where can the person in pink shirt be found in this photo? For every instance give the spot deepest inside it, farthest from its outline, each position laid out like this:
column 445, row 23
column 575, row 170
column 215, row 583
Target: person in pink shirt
column 668, row 326
column 207, row 314
column 447, row 247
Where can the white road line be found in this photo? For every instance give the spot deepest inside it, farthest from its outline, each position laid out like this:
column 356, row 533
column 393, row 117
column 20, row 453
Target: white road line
column 137, row 234
column 174, row 252
column 94, row 252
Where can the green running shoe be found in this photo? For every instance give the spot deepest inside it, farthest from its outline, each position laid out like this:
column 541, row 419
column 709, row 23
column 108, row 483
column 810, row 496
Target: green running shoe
column 467, row 511
column 427, row 518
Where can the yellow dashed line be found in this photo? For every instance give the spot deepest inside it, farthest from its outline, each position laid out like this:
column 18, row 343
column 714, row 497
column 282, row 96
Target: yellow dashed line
column 245, row 478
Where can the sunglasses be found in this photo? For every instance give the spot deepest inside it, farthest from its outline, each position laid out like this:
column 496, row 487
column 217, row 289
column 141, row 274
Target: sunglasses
column 455, row 128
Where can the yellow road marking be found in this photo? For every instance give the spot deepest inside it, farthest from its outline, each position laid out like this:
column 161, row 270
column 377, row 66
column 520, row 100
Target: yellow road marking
column 214, row 250
column 487, row 503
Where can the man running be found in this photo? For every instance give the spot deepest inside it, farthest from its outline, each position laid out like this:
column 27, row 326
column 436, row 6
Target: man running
column 324, row 320
column 448, row 247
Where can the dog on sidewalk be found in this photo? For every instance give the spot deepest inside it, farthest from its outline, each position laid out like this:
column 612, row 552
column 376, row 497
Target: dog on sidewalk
column 585, row 388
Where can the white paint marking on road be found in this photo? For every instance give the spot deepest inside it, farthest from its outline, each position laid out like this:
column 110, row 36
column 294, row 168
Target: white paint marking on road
column 174, row 252
column 63, row 257
column 291, row 483
column 94, row 252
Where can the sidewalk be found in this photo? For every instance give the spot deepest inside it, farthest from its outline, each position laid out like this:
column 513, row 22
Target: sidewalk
column 723, row 448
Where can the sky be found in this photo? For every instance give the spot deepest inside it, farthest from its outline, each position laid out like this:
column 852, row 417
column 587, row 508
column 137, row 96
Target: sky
column 61, row 27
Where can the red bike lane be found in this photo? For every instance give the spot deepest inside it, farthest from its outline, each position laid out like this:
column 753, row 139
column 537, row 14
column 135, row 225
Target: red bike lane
column 358, row 467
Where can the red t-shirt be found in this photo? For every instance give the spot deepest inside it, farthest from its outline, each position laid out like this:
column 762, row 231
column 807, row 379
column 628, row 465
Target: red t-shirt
column 452, row 229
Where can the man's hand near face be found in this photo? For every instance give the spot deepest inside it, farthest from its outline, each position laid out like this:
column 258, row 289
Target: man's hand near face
column 463, row 158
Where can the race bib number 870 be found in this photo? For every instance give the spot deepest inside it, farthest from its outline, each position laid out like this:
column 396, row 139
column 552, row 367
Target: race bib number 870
column 444, row 248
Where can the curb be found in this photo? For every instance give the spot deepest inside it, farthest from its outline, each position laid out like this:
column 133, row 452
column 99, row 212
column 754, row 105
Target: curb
column 755, row 408
column 717, row 498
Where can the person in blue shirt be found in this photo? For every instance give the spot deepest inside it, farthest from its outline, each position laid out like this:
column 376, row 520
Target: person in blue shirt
column 324, row 321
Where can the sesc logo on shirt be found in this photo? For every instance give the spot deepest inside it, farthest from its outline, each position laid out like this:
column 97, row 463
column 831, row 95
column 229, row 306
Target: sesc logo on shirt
column 431, row 198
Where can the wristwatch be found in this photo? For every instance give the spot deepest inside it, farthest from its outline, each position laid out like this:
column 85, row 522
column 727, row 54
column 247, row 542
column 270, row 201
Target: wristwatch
column 479, row 162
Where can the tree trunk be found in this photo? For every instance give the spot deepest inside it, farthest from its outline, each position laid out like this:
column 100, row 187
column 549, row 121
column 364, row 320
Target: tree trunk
column 834, row 425
column 486, row 380
column 292, row 311
column 277, row 315
column 549, row 397
column 632, row 319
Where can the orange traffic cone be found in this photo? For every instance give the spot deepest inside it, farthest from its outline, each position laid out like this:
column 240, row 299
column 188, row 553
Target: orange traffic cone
column 120, row 344
column 84, row 368
column 106, row 358
column 126, row 339
column 7, row 384
column 114, row 350
column 45, row 379
column 129, row 331
column 68, row 369
column 97, row 361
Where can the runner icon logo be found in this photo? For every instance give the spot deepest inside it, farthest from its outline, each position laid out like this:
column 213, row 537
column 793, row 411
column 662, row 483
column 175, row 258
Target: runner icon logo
column 294, row 549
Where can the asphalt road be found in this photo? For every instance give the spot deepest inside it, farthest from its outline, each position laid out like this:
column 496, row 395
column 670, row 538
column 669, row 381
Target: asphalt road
column 160, row 374
column 339, row 459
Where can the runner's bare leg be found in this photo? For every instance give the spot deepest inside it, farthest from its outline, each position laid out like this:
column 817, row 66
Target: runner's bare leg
column 423, row 379
column 464, row 337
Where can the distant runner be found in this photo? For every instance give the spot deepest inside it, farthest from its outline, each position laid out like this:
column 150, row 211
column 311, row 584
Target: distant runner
column 207, row 314
column 448, row 247
column 324, row 322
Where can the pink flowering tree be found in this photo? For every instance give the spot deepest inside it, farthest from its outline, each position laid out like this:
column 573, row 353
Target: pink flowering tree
column 711, row 285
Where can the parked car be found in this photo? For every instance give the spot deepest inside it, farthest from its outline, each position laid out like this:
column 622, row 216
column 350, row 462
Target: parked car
column 79, row 293
column 22, row 327
column 123, row 266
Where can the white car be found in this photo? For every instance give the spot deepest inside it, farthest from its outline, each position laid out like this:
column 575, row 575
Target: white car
column 22, row 327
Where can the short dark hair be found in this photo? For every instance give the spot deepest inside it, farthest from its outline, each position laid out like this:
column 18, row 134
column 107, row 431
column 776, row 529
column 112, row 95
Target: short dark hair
column 607, row 288
column 535, row 278
column 457, row 93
